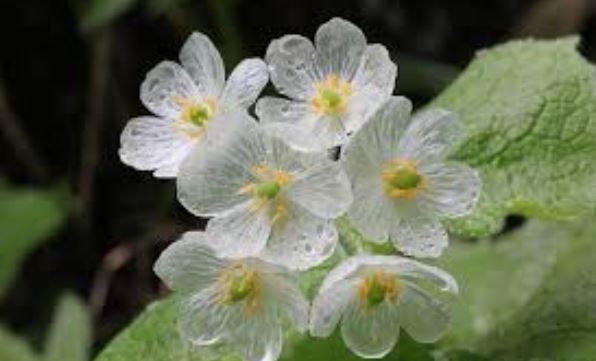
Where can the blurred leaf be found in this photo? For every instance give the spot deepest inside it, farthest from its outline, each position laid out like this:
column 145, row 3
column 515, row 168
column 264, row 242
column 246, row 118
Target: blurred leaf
column 13, row 348
column 27, row 218
column 529, row 115
column 69, row 338
column 100, row 13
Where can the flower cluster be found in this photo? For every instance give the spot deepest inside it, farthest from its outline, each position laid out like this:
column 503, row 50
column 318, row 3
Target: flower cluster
column 272, row 192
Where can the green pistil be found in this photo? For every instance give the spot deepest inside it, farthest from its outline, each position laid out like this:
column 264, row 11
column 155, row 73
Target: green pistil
column 376, row 291
column 331, row 98
column 241, row 287
column 405, row 179
column 267, row 190
column 198, row 115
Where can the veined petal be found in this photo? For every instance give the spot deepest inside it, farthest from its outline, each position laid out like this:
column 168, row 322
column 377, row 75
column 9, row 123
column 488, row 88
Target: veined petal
column 149, row 143
column 245, row 84
column 258, row 338
column 189, row 264
column 362, row 105
column 283, row 288
column 430, row 136
column 290, row 60
column 294, row 136
column 340, row 46
column 203, row 63
column 452, row 188
column 370, row 333
column 323, row 189
column 419, row 235
column 376, row 71
column 329, row 305
column 300, row 240
column 423, row 317
column 203, row 318
column 164, row 87
column 241, row 232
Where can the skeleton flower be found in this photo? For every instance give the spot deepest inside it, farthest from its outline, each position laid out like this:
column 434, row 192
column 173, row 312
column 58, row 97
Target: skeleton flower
column 242, row 302
column 266, row 198
column 186, row 99
column 333, row 87
column 402, row 180
column 374, row 296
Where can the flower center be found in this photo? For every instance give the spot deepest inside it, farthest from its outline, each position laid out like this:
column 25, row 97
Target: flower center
column 331, row 96
column 238, row 283
column 401, row 179
column 194, row 115
column 377, row 287
column 267, row 189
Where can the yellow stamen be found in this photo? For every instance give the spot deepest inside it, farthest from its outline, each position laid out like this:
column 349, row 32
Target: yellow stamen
column 401, row 179
column 331, row 96
column 194, row 115
column 266, row 191
column 378, row 287
column 237, row 284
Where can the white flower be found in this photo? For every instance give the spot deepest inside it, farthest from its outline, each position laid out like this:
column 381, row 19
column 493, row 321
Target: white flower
column 374, row 296
column 266, row 198
column 186, row 99
column 402, row 180
column 242, row 302
column 333, row 87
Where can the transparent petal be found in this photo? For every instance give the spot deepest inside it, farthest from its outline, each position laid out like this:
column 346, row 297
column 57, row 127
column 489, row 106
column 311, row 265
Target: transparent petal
column 290, row 59
column 258, row 338
column 376, row 71
column 370, row 333
column 245, row 84
column 295, row 137
column 323, row 189
column 452, row 188
column 331, row 130
column 362, row 105
column 430, row 136
column 203, row 63
column 329, row 305
column 340, row 46
column 423, row 317
column 149, row 143
column 241, row 232
column 282, row 287
column 189, row 264
column 203, row 318
column 164, row 87
column 419, row 235
column 300, row 240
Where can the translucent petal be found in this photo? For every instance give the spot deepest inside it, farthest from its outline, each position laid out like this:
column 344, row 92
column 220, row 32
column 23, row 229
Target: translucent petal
column 370, row 333
column 419, row 235
column 329, row 305
column 245, row 84
column 452, row 188
column 295, row 137
column 362, row 105
column 376, row 71
column 149, row 143
column 300, row 240
column 331, row 130
column 430, row 136
column 290, row 60
column 164, row 87
column 189, row 265
column 424, row 318
column 258, row 338
column 241, row 232
column 203, row 63
column 203, row 318
column 282, row 287
column 323, row 188
column 340, row 46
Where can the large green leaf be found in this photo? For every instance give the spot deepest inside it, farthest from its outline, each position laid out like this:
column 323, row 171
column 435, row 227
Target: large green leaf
column 27, row 218
column 69, row 338
column 529, row 115
column 12, row 348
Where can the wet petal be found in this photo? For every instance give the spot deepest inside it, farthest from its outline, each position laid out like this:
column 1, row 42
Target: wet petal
column 328, row 307
column 189, row 265
column 430, row 136
column 241, row 232
column 423, row 317
column 245, row 84
column 290, row 60
column 149, row 143
column 370, row 333
column 203, row 63
column 419, row 235
column 323, row 188
column 203, row 318
column 257, row 338
column 164, row 87
column 453, row 188
column 340, row 46
column 376, row 71
column 300, row 240
column 283, row 288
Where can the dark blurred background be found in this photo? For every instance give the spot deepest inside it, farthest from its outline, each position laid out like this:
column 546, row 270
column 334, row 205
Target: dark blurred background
column 69, row 78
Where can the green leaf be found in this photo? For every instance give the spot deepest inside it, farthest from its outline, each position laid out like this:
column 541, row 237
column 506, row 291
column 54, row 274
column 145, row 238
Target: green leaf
column 69, row 338
column 27, row 218
column 529, row 113
column 101, row 12
column 154, row 337
column 13, row 348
